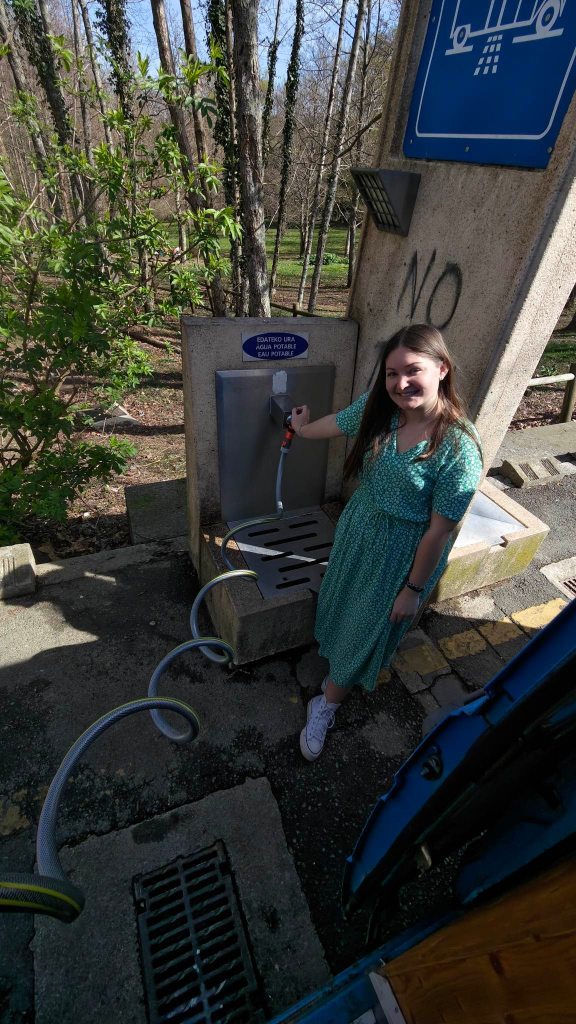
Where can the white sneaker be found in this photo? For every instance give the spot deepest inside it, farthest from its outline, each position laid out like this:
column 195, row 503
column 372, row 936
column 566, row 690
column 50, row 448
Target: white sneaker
column 320, row 717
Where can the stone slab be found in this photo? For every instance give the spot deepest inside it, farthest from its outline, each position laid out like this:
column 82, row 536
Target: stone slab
column 17, row 571
column 156, row 511
column 90, row 971
column 554, row 439
column 535, row 472
column 418, row 661
column 538, row 616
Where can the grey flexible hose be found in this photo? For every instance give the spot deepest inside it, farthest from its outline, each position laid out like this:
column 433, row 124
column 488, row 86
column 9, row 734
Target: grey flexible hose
column 49, row 891
column 227, row 654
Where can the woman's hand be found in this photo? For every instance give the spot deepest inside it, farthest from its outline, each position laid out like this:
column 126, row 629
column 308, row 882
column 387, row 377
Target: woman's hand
column 300, row 417
column 405, row 606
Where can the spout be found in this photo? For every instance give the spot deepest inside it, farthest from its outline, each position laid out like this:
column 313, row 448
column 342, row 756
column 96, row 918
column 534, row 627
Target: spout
column 280, row 410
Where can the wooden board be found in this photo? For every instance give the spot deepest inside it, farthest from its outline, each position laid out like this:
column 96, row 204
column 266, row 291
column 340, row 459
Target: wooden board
column 512, row 962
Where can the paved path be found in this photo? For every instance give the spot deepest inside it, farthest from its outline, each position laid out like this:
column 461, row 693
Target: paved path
column 80, row 646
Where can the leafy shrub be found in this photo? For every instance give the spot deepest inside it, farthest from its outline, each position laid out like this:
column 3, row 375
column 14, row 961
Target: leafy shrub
column 75, row 275
column 329, row 259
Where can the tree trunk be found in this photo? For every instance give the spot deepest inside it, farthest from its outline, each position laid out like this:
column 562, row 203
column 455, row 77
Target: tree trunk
column 292, row 82
column 323, row 150
column 239, row 275
column 51, row 80
column 179, row 123
column 35, row 30
column 95, row 68
column 336, row 160
column 84, row 112
column 113, row 22
column 192, row 53
column 353, row 214
column 272, row 61
column 22, row 88
column 303, row 227
column 352, row 239
column 249, row 117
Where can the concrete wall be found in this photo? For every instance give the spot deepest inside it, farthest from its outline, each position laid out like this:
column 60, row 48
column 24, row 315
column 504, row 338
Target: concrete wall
column 490, row 257
column 210, row 344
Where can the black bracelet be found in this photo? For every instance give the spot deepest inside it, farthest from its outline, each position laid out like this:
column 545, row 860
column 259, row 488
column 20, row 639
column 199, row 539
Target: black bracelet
column 411, row 586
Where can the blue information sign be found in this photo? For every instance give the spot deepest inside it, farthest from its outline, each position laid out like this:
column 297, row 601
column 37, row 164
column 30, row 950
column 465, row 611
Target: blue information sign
column 494, row 81
column 274, row 345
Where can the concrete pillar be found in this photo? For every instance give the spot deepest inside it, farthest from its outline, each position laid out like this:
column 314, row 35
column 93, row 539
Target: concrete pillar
column 490, row 256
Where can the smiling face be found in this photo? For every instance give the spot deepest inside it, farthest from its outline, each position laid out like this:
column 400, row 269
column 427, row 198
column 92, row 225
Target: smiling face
column 413, row 379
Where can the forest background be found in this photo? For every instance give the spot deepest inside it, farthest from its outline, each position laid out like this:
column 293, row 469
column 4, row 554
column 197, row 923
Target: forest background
column 157, row 160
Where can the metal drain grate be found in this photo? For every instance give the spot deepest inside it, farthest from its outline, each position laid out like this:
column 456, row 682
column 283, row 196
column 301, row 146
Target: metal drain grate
column 196, row 963
column 528, row 471
column 562, row 575
column 290, row 554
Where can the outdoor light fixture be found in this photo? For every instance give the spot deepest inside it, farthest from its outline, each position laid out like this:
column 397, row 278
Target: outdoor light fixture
column 389, row 195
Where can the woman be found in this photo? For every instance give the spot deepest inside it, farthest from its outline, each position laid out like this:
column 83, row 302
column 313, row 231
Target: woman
column 419, row 462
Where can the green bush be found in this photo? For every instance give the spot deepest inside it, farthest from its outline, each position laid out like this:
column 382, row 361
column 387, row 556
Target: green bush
column 71, row 287
column 330, row 259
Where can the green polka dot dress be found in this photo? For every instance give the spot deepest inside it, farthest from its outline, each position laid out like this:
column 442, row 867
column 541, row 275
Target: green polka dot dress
column 375, row 543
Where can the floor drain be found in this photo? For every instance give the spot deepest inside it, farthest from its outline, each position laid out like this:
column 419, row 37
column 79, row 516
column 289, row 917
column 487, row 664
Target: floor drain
column 562, row 575
column 290, row 554
column 195, row 958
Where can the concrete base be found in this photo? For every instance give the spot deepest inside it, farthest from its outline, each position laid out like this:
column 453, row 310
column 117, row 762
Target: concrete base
column 254, row 626
column 482, row 565
column 17, row 571
column 257, row 627
column 90, row 973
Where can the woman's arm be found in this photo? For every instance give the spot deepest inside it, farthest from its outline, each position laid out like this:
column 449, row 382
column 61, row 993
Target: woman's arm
column 428, row 554
column 318, row 429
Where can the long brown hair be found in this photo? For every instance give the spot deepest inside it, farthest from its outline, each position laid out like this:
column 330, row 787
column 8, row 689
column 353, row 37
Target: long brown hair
column 376, row 425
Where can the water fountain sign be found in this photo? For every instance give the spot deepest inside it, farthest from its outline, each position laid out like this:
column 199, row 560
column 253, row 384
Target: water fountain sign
column 494, row 81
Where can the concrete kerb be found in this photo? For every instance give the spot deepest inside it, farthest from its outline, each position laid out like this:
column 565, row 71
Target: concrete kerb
column 102, row 563
column 17, row 571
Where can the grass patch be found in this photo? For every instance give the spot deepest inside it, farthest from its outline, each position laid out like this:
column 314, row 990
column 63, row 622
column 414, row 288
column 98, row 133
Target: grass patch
column 558, row 356
column 290, row 244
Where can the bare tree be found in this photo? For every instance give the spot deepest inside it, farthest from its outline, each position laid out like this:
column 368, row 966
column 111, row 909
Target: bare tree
column 292, row 82
column 95, row 68
column 272, row 61
column 192, row 54
column 249, row 120
column 177, row 116
column 23, row 87
column 332, row 183
column 323, row 151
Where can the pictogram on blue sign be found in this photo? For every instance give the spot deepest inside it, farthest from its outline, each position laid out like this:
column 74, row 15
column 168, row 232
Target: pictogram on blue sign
column 494, row 81
column 274, row 345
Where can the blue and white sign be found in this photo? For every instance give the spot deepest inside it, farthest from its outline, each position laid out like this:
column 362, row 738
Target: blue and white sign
column 494, row 81
column 274, row 345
